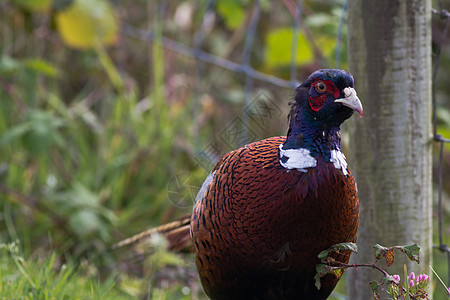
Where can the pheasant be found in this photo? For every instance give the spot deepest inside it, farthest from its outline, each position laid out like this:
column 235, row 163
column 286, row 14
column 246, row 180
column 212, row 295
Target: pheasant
column 267, row 209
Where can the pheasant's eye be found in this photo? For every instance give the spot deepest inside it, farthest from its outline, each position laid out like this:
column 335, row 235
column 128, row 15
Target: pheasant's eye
column 321, row 87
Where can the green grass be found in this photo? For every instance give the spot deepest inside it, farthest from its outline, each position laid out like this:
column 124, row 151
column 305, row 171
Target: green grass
column 46, row 278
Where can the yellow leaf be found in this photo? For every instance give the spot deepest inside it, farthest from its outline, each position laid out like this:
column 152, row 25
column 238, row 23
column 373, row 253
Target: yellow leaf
column 390, row 257
column 86, row 22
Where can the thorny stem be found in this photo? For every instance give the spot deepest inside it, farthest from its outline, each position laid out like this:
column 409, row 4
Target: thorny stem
column 369, row 265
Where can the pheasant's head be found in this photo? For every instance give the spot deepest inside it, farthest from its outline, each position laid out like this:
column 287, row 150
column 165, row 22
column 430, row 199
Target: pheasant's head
column 326, row 99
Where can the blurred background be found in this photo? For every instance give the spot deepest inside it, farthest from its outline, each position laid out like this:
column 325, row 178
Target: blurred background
column 114, row 112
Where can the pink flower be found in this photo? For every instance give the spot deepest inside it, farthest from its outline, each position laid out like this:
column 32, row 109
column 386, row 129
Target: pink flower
column 412, row 276
column 411, row 283
column 396, row 277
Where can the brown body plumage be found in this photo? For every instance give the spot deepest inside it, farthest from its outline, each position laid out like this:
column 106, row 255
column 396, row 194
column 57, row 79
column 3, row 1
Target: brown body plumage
column 259, row 240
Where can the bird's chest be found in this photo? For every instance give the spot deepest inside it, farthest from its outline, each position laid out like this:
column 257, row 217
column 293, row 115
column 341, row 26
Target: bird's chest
column 309, row 210
column 318, row 206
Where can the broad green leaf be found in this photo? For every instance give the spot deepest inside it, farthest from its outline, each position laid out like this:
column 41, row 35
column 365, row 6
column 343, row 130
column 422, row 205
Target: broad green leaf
column 324, row 269
column 327, row 45
column 232, row 11
column 389, row 279
column 374, row 286
column 412, row 251
column 380, row 251
column 321, row 270
column 35, row 5
column 86, row 223
column 88, row 218
column 278, row 48
column 9, row 65
column 319, row 19
column 42, row 66
column 87, row 22
column 338, row 247
column 42, row 131
column 317, row 280
column 13, row 133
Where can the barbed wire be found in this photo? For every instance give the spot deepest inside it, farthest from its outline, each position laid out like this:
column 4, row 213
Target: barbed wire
column 148, row 36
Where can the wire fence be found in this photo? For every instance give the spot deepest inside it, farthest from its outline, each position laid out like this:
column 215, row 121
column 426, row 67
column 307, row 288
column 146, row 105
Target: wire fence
column 244, row 67
column 438, row 138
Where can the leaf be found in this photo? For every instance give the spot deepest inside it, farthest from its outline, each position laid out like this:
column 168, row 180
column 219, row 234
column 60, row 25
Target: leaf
column 387, row 252
column 327, row 45
column 35, row 5
column 390, row 257
column 278, row 48
column 42, row 66
column 337, row 248
column 232, row 11
column 42, row 131
column 317, row 281
column 9, row 65
column 389, row 279
column 323, row 269
column 374, row 286
column 380, row 251
column 412, row 251
column 87, row 22
column 88, row 218
column 13, row 133
column 85, row 224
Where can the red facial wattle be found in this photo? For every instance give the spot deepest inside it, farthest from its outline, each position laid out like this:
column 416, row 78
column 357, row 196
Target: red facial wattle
column 317, row 102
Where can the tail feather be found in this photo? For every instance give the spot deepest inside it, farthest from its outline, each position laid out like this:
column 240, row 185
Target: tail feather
column 177, row 234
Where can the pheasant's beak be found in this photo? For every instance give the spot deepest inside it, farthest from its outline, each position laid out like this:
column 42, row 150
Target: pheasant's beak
column 351, row 100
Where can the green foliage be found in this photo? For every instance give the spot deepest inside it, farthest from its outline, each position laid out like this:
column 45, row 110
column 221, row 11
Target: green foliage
column 34, row 5
column 232, row 11
column 49, row 279
column 338, row 248
column 41, row 131
column 10, row 66
column 414, row 287
column 87, row 218
column 42, row 67
column 279, row 45
column 412, row 251
column 325, row 267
